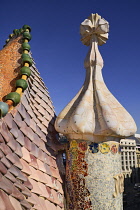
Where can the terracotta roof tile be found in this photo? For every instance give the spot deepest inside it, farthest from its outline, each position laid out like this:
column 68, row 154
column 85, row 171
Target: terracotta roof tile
column 15, row 203
column 41, row 155
column 12, row 144
column 22, row 110
column 55, row 196
column 3, row 169
column 5, row 133
column 48, row 158
column 9, row 188
column 40, row 205
column 55, row 183
column 58, row 208
column 6, row 162
column 52, row 162
column 43, row 137
column 33, row 161
column 18, row 119
column 6, row 150
column 10, row 177
column 38, row 99
column 31, row 199
column 42, row 145
column 36, row 188
column 24, row 101
column 27, row 119
column 59, row 186
column 20, row 138
column 24, row 128
column 22, row 188
column 1, row 175
column 34, row 150
column 30, row 133
column 41, row 165
column 25, row 167
column 14, row 159
column 28, row 184
column 14, row 170
column 50, row 205
column 43, row 190
column 8, row 119
column 18, row 150
column 25, row 204
column 49, row 191
column 5, row 203
column 33, row 124
column 1, row 154
column 27, row 143
column 60, row 198
column 26, row 154
column 42, row 177
column 36, row 139
column 21, row 176
column 34, row 174
column 55, row 172
column 38, row 130
column 14, row 129
column 49, row 181
column 1, row 139
column 47, row 168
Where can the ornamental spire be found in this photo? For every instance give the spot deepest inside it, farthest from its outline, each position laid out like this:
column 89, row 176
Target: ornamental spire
column 94, row 114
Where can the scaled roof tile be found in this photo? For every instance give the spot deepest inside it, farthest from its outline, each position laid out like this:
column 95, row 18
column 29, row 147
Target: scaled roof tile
column 25, row 204
column 34, row 174
column 33, row 161
column 25, row 167
column 31, row 200
column 1, row 154
column 1, row 139
column 10, row 177
column 42, row 177
column 14, row 129
column 5, row 203
column 50, row 205
column 15, row 203
column 3, row 169
column 8, row 120
column 28, row 145
column 26, row 154
column 14, row 160
column 20, row 138
column 36, row 188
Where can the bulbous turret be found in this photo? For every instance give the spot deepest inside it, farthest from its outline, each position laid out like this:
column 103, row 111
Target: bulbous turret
column 94, row 112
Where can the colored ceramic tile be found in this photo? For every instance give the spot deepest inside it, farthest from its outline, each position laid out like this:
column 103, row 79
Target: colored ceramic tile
column 104, row 148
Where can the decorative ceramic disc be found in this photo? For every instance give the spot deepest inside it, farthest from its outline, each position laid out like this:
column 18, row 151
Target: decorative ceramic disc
column 113, row 149
column 104, row 148
column 93, row 148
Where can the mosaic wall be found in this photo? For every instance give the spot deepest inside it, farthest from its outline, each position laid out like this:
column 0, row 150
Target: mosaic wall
column 93, row 176
column 9, row 67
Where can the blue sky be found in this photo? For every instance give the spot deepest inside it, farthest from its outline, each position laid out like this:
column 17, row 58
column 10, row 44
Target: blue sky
column 59, row 53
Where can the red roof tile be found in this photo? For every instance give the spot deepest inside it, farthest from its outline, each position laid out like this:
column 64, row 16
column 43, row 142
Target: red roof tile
column 15, row 203
column 33, row 161
column 5, row 203
column 28, row 146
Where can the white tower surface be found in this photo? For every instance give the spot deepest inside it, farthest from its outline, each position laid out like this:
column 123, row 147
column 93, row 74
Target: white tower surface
column 94, row 122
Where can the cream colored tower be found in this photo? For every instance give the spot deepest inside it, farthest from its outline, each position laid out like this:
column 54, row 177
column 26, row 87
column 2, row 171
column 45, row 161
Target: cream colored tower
column 94, row 122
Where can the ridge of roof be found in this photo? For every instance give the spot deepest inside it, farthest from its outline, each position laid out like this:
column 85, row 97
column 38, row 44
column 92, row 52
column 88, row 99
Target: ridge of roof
column 13, row 98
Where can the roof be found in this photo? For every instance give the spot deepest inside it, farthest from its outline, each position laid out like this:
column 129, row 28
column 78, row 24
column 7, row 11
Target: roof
column 30, row 175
